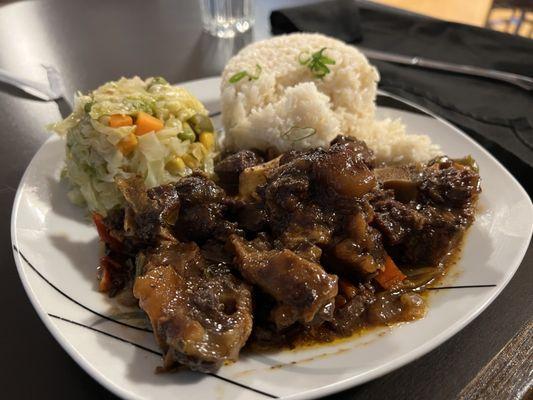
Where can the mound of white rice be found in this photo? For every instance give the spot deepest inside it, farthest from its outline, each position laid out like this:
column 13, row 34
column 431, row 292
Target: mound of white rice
column 286, row 96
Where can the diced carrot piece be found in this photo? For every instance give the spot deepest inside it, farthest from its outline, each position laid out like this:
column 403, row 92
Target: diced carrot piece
column 128, row 144
column 118, row 120
column 105, row 283
column 107, row 268
column 146, row 123
column 100, row 226
column 390, row 275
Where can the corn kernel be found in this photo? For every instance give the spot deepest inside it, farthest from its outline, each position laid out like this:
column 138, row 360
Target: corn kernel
column 190, row 161
column 197, row 150
column 175, row 166
column 127, row 144
column 203, row 149
column 208, row 140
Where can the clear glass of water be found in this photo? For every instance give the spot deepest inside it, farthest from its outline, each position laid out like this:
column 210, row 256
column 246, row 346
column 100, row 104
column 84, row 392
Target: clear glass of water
column 225, row 18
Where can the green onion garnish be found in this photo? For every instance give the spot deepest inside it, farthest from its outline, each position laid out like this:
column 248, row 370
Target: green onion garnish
column 242, row 74
column 317, row 63
column 158, row 80
column 295, row 134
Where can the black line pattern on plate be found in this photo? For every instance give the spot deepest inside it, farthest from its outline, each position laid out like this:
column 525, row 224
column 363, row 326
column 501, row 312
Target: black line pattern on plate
column 214, row 114
column 75, row 301
column 106, row 333
column 160, row 355
column 243, row 386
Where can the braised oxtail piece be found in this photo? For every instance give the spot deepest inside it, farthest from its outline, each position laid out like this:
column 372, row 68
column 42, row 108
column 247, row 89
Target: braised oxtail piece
column 200, row 314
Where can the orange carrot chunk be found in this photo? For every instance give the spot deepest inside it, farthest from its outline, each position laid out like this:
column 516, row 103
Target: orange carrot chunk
column 104, row 234
column 146, row 123
column 390, row 275
column 118, row 120
column 105, row 283
column 105, row 269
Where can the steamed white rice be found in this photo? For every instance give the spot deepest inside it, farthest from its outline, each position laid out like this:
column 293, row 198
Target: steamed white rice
column 259, row 113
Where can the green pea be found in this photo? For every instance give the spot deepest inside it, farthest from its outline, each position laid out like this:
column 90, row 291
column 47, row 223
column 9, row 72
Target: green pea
column 200, row 123
column 187, row 133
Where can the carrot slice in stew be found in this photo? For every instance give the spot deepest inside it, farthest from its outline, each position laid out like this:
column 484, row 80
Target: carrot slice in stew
column 390, row 275
column 103, row 233
column 146, row 123
column 118, row 120
column 105, row 283
column 107, row 264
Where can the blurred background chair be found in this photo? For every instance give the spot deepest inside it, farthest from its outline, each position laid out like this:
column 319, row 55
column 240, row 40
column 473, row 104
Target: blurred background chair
column 471, row 12
column 512, row 16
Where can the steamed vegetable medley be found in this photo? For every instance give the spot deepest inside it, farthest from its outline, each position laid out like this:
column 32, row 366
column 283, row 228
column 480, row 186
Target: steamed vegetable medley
column 133, row 127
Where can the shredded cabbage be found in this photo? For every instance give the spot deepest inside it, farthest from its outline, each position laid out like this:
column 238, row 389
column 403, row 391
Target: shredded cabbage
column 93, row 155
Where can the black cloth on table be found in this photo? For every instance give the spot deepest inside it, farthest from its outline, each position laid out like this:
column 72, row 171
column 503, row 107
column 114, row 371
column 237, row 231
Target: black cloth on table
column 497, row 115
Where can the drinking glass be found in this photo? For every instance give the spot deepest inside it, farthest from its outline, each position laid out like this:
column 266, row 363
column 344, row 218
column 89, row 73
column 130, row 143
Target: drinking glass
column 224, row 18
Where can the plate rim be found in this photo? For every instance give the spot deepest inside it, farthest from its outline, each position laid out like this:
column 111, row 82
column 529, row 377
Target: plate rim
column 344, row 384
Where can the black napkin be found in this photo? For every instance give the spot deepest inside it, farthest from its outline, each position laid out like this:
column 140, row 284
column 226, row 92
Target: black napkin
column 497, row 115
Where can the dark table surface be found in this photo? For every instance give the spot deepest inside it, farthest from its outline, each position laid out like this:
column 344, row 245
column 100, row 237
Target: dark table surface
column 91, row 42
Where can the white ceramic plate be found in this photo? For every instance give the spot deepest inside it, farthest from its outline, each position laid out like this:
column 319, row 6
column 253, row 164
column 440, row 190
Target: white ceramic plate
column 56, row 251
